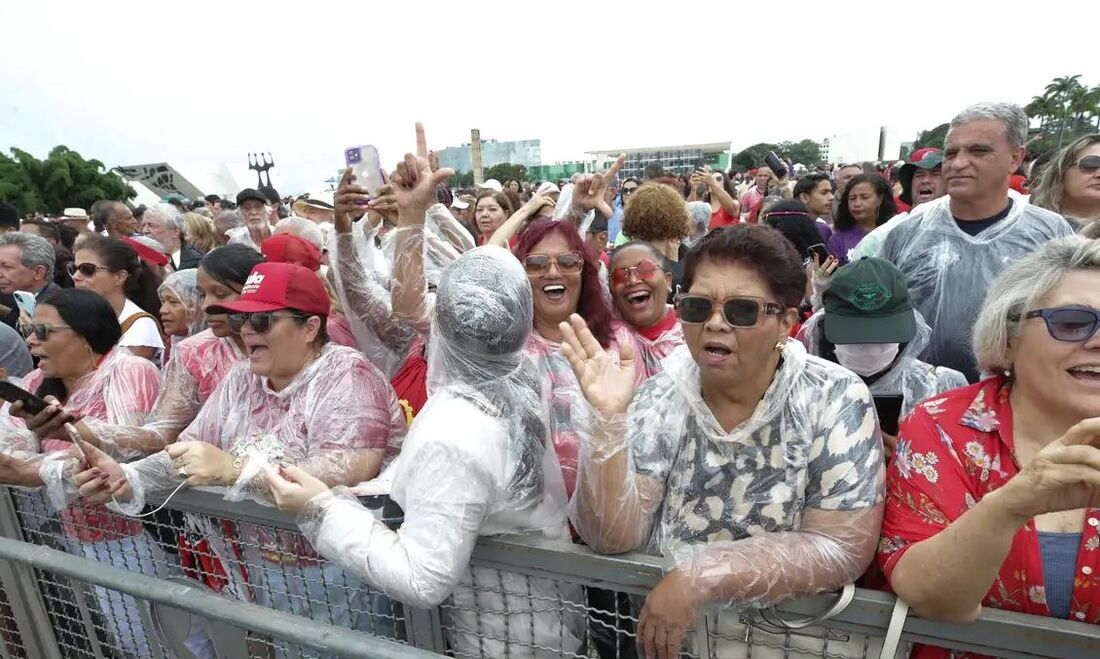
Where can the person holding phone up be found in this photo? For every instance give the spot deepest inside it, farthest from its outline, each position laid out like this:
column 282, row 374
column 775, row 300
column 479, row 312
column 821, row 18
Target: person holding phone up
column 868, row 326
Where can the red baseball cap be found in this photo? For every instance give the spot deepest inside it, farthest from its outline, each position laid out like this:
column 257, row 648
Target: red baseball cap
column 273, row 286
column 288, row 248
column 146, row 253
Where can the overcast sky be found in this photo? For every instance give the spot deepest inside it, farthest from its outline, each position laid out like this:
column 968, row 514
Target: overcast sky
column 195, row 81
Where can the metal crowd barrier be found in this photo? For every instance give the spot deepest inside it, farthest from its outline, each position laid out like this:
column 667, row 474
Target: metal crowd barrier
column 213, row 579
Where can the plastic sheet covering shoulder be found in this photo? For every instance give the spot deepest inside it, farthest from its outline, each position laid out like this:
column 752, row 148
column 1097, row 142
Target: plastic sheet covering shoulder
column 950, row 271
column 785, row 505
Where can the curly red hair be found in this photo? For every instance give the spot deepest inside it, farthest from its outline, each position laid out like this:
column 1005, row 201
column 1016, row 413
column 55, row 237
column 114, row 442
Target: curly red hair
column 592, row 305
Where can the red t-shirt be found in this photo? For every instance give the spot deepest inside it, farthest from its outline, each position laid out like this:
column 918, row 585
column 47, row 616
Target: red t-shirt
column 720, row 218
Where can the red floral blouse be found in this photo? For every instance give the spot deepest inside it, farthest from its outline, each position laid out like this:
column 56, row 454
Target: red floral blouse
column 951, row 452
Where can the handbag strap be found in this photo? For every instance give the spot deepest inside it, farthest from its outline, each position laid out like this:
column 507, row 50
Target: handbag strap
column 842, row 601
column 893, row 631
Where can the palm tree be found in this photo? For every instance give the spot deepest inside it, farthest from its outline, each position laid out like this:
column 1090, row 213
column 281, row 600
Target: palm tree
column 1041, row 108
column 1060, row 90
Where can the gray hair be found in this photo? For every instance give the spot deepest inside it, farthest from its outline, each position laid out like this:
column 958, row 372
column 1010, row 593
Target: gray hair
column 231, row 219
column 170, row 215
column 1021, row 286
column 1011, row 115
column 303, row 228
column 37, row 251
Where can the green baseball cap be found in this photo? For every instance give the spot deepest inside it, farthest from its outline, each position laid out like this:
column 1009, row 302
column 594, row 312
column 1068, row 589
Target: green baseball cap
column 867, row 301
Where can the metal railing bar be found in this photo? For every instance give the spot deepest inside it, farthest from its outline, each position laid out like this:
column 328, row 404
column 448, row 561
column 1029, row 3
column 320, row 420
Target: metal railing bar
column 287, row 626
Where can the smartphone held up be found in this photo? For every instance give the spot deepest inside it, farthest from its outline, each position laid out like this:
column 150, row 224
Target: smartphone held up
column 366, row 167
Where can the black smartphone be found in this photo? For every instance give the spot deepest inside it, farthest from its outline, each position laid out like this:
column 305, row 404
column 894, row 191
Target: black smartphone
column 820, row 250
column 775, row 164
column 31, row 403
column 889, row 413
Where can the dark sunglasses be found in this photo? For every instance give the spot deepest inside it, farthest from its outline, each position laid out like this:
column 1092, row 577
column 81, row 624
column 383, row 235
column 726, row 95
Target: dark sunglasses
column 644, row 270
column 568, row 263
column 1071, row 324
column 740, row 312
column 1088, row 164
column 40, row 331
column 260, row 321
column 85, row 269
column 628, row 191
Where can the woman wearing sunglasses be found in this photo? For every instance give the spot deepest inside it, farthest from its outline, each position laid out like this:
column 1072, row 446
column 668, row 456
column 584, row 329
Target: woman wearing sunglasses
column 1070, row 184
column 74, row 334
column 299, row 400
column 639, row 288
column 992, row 493
column 113, row 269
column 754, row 468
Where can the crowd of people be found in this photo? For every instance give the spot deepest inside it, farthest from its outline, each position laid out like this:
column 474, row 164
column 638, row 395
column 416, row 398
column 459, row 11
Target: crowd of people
column 780, row 382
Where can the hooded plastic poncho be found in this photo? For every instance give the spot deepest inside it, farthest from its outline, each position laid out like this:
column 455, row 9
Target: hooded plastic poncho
column 185, row 285
column 909, row 377
column 785, row 505
column 477, row 461
column 949, row 271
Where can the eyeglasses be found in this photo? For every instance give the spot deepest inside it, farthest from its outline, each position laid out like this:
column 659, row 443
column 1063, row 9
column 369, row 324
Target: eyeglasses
column 1071, row 324
column 260, row 321
column 740, row 312
column 568, row 263
column 41, row 331
column 1088, row 164
column 86, row 269
column 629, row 191
column 644, row 270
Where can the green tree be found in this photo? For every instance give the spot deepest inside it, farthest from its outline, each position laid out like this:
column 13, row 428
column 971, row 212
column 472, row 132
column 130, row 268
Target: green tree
column 1062, row 91
column 460, row 180
column 933, row 137
column 753, row 156
column 63, row 179
column 806, row 152
column 504, row 172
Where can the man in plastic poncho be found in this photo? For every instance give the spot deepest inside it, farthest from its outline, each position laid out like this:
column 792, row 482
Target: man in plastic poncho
column 951, row 249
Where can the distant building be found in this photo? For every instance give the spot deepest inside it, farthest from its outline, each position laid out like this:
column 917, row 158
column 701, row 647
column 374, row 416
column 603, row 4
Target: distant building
column 523, row 152
column 859, row 146
column 560, row 170
column 674, row 159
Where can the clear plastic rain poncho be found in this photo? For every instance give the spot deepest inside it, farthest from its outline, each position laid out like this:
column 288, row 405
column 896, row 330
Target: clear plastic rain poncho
column 648, row 352
column 185, row 285
column 338, row 406
column 909, row 377
column 197, row 366
column 949, row 271
column 786, row 505
column 121, row 391
column 477, row 461
column 362, row 273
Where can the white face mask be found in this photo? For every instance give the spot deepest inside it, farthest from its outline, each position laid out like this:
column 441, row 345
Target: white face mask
column 867, row 359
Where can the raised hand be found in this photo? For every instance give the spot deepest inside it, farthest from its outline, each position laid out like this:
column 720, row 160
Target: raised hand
column 415, row 183
column 350, row 202
column 1065, row 475
column 608, row 386
column 588, row 193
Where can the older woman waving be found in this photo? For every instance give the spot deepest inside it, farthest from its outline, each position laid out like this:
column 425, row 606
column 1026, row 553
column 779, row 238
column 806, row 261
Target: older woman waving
column 764, row 463
column 992, row 496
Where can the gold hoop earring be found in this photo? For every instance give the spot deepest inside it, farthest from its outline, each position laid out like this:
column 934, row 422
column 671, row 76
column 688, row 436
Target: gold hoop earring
column 779, row 345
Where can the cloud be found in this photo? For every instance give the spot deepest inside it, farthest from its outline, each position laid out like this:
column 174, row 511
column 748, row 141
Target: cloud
column 145, row 82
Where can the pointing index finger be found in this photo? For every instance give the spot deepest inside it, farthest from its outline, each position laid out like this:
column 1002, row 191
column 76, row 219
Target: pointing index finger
column 421, row 141
column 613, row 170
